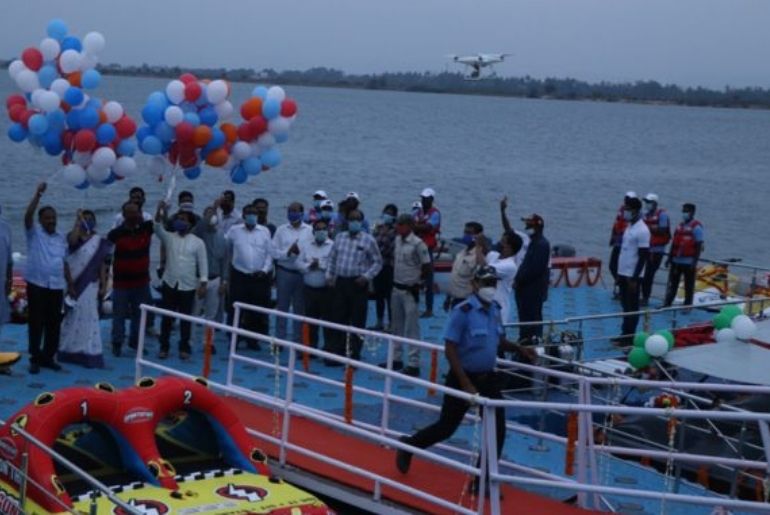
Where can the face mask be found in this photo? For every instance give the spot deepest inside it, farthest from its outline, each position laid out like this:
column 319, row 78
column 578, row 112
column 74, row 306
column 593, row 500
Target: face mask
column 686, row 217
column 487, row 294
column 468, row 239
column 250, row 219
column 530, row 231
column 354, row 226
column 294, row 216
column 213, row 220
column 317, row 204
column 181, row 226
column 87, row 225
column 326, row 214
column 388, row 218
column 627, row 215
column 320, row 236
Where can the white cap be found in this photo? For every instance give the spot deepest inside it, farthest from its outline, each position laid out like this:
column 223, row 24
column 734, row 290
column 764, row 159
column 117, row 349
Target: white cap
column 327, row 203
column 651, row 197
column 631, row 194
column 320, row 193
column 416, row 204
column 428, row 192
column 352, row 194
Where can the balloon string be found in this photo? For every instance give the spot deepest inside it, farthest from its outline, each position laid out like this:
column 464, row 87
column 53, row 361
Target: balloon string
column 171, row 184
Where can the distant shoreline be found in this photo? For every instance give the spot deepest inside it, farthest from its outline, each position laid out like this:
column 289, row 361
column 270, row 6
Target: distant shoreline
column 639, row 92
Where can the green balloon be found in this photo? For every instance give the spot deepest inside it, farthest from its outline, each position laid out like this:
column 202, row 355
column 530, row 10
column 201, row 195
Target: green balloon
column 640, row 338
column 638, row 358
column 668, row 335
column 722, row 321
column 730, row 312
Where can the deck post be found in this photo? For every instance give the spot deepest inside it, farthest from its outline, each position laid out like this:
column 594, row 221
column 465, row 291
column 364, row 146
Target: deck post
column 233, row 344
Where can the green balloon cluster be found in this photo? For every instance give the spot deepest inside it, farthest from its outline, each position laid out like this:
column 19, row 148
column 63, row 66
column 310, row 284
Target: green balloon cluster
column 668, row 335
column 640, row 338
column 638, row 358
column 726, row 316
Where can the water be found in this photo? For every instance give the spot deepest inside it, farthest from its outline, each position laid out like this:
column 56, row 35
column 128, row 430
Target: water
column 571, row 162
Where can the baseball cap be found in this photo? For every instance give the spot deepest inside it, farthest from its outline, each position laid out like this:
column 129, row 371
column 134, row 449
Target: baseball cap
column 485, row 272
column 631, row 194
column 320, row 194
column 428, row 192
column 327, row 203
column 651, row 197
column 534, row 220
column 352, row 194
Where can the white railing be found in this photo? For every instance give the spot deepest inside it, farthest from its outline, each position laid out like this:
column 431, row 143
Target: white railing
column 591, row 492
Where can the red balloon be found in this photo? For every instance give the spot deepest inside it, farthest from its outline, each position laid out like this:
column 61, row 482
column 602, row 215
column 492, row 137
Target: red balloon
column 13, row 100
column 192, row 91
column 258, row 125
column 288, row 108
column 15, row 112
column 66, row 139
column 246, row 132
column 173, row 153
column 188, row 78
column 32, row 58
column 188, row 160
column 184, row 132
column 85, row 140
column 125, row 127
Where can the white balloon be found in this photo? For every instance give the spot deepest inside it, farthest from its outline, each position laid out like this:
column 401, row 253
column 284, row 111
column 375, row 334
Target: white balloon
column 124, row 166
column 217, row 91
column 97, row 174
column 81, row 158
column 15, row 67
column 725, row 335
column 27, row 81
column 113, row 111
column 73, row 174
column 104, row 157
column 276, row 93
column 88, row 61
column 278, row 125
column 224, row 110
column 50, row 48
column 49, row 101
column 93, row 43
column 656, row 345
column 60, row 86
column 744, row 327
column 174, row 115
column 241, row 150
column 175, row 91
column 158, row 166
column 34, row 99
column 265, row 141
column 69, row 61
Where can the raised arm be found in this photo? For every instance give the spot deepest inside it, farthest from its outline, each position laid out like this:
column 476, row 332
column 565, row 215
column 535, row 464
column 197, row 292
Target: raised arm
column 503, row 216
column 29, row 215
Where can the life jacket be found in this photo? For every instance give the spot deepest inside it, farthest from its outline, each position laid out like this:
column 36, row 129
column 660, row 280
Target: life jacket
column 619, row 227
column 684, row 244
column 656, row 238
column 430, row 237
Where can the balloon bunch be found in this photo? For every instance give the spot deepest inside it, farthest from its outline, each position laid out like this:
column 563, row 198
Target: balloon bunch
column 267, row 118
column 648, row 346
column 731, row 323
column 57, row 114
column 181, row 126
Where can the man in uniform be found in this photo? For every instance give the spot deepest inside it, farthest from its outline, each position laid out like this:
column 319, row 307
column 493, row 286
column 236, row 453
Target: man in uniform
column 660, row 234
column 685, row 251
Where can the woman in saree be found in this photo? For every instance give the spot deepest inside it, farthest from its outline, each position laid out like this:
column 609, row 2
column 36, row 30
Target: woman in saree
column 85, row 270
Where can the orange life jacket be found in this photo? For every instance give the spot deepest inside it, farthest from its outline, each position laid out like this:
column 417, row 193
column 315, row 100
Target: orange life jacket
column 430, row 237
column 684, row 244
column 656, row 238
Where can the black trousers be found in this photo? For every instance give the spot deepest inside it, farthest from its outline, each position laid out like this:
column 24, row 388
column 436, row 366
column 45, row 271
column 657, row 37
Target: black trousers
column 454, row 409
column 383, row 287
column 181, row 301
column 530, row 308
column 614, row 257
column 349, row 308
column 317, row 305
column 629, row 299
column 250, row 289
column 653, row 263
column 675, row 274
column 44, row 323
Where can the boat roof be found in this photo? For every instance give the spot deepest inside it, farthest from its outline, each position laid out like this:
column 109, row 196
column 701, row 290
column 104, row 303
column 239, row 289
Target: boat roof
column 736, row 361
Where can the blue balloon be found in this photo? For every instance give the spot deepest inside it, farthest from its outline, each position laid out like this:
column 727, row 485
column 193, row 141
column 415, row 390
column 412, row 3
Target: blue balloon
column 105, row 133
column 188, row 107
column 192, row 173
column 73, row 96
column 192, row 118
column 73, row 119
column 110, row 179
column 56, row 120
column 152, row 114
column 38, row 124
column 151, row 145
column 46, row 75
column 252, row 165
column 89, row 118
column 281, row 137
column 202, row 100
column 271, row 109
column 164, row 132
column 94, row 103
column 17, row 132
column 142, row 133
column 208, row 116
column 259, row 91
column 83, row 185
column 90, row 79
column 52, row 143
column 271, row 157
column 238, row 175
column 158, row 98
column 126, row 148
column 56, row 29
column 217, row 140
column 71, row 43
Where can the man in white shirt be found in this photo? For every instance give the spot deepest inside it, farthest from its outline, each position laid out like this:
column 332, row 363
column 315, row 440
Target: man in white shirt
column 288, row 277
column 634, row 252
column 506, row 265
column 186, row 273
column 249, row 248
column 313, row 260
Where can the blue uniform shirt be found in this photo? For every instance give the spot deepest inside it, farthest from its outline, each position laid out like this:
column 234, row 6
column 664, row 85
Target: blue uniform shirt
column 476, row 330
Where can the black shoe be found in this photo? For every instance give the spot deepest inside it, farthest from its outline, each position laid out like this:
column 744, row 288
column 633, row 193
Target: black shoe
column 403, row 458
column 52, row 365
column 397, row 365
column 411, row 371
column 34, row 368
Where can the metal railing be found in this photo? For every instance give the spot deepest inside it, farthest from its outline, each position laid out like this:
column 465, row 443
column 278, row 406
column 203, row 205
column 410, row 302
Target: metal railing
column 588, row 486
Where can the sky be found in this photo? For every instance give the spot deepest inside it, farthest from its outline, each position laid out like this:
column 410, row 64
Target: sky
column 711, row 43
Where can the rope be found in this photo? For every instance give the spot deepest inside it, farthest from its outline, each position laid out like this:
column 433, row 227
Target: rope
column 572, row 434
column 208, row 337
column 348, row 408
column 433, row 371
column 277, row 386
column 306, row 343
column 671, row 429
column 474, row 454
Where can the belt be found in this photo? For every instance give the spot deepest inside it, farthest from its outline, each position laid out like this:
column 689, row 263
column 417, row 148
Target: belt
column 405, row 287
column 289, row 270
column 247, row 274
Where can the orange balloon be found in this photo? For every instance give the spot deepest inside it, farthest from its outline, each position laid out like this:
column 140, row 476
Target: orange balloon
column 218, row 157
column 74, row 78
column 251, row 108
column 231, row 132
column 201, row 135
column 102, row 117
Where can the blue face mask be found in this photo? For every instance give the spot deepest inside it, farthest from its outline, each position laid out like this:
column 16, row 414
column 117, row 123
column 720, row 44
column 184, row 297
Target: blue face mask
column 320, row 236
column 87, row 225
column 180, row 226
column 250, row 219
column 686, row 217
column 327, row 214
column 354, row 226
column 388, row 219
column 294, row 216
column 467, row 239
column 627, row 216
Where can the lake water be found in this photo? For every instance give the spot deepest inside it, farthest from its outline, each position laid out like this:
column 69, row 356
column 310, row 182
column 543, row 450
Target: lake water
column 571, row 162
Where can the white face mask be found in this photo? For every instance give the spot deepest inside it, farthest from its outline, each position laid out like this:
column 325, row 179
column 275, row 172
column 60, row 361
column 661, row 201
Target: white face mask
column 213, row 220
column 530, row 231
column 487, row 294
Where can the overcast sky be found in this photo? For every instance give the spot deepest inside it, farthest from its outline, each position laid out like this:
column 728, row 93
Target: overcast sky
column 687, row 42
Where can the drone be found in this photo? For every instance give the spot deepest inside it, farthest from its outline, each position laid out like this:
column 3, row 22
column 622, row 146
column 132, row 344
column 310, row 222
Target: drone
column 477, row 63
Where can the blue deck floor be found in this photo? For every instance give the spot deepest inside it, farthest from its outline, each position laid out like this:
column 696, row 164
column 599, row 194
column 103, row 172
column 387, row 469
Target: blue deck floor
column 20, row 388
